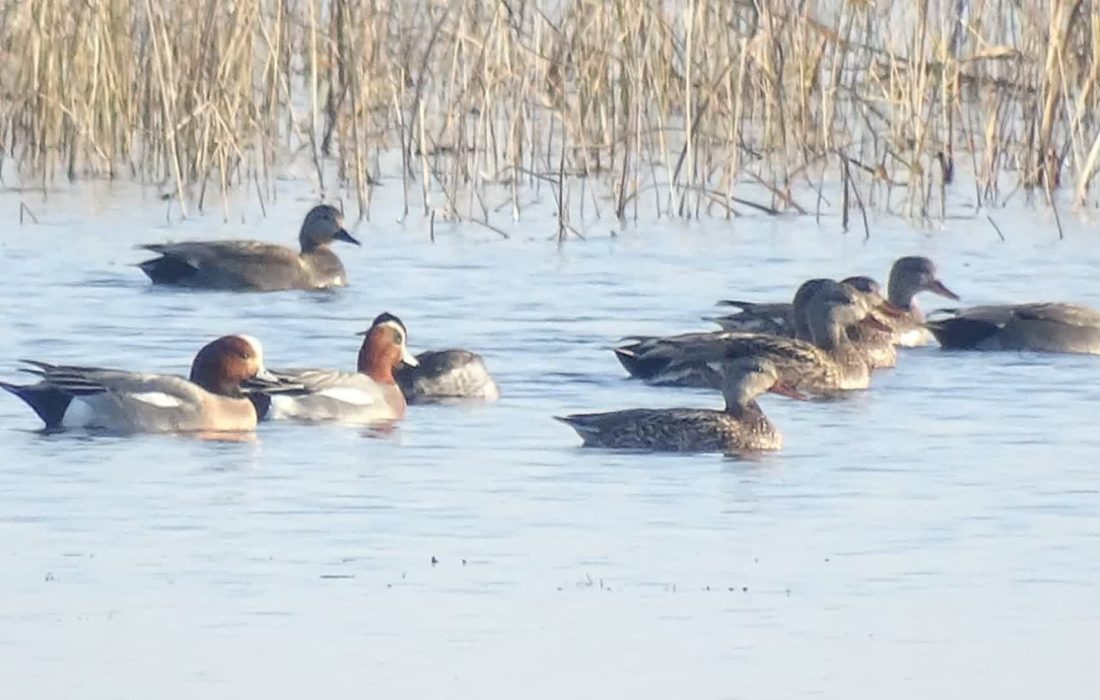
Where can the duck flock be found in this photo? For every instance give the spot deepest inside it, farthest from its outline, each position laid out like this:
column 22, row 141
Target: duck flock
column 827, row 340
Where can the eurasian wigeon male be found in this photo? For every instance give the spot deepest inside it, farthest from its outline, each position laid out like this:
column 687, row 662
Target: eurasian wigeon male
column 256, row 266
column 227, row 390
column 370, row 395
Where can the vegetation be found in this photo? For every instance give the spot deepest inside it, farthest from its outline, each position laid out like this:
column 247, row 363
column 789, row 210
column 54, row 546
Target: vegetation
column 687, row 107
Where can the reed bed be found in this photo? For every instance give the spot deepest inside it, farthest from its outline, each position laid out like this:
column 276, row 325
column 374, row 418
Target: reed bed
column 478, row 109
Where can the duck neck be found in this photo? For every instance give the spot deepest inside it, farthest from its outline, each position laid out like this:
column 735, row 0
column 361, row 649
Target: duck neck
column 374, row 364
column 900, row 294
column 751, row 418
column 828, row 335
column 743, row 408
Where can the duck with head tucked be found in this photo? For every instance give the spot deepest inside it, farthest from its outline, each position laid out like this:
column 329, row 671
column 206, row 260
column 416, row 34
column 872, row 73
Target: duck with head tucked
column 825, row 363
column 740, row 427
column 256, row 266
column 1040, row 327
column 227, row 390
column 370, row 395
column 446, row 375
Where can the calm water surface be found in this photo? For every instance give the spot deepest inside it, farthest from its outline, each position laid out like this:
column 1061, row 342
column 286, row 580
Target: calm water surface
column 936, row 536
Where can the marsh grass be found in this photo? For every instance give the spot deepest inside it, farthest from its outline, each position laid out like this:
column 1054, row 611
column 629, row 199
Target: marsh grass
column 685, row 108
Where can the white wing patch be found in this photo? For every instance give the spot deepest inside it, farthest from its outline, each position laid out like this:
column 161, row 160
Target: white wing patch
column 347, row 394
column 157, row 398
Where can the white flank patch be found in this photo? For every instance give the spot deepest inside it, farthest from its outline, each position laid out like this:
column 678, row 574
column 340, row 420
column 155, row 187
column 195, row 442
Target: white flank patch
column 157, row 398
column 306, row 407
column 81, row 413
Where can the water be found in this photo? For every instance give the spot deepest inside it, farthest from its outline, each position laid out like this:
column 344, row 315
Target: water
column 934, row 536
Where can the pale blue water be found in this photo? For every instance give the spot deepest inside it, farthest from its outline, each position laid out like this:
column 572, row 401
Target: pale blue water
column 936, row 536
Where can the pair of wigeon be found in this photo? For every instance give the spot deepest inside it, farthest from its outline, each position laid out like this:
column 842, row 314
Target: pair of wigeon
column 229, row 389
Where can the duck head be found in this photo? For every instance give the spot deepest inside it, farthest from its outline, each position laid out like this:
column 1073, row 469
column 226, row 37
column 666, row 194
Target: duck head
column 911, row 275
column 746, row 378
column 323, row 225
column 223, row 365
column 384, row 348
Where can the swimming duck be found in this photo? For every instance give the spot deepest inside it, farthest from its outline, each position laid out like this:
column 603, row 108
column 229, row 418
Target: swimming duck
column 370, row 395
column 876, row 341
column 1043, row 327
column 441, row 375
column 227, row 389
column 908, row 277
column 779, row 319
column 828, row 364
column 741, row 426
column 256, row 266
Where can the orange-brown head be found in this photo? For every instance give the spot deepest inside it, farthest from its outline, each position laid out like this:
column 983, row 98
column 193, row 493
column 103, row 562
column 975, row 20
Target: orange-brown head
column 384, row 348
column 223, row 364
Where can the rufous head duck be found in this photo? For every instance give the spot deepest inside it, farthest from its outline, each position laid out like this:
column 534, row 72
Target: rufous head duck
column 224, row 364
column 384, row 348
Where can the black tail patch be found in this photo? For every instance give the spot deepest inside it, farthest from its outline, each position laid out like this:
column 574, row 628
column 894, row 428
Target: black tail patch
column 49, row 403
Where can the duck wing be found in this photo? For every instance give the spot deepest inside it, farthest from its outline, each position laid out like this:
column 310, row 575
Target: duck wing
column 223, row 264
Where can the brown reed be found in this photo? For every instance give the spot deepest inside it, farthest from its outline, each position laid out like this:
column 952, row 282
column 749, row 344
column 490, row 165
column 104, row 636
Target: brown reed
column 477, row 107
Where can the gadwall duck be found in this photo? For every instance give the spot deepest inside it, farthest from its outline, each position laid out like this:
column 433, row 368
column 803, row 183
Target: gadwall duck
column 830, row 363
column 1042, row 327
column 443, row 375
column 370, row 395
column 256, row 266
column 741, row 427
column 227, row 389
column 909, row 276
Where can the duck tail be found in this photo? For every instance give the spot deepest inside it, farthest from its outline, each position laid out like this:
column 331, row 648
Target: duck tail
column 168, row 269
column 48, row 402
column 960, row 332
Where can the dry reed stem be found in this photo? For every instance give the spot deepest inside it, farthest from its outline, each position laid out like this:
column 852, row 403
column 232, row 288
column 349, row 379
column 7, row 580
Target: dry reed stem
column 702, row 105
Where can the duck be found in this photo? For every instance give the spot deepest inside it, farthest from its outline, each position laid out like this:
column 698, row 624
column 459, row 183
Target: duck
column 444, row 375
column 367, row 396
column 875, row 340
column 253, row 265
column 779, row 319
column 829, row 364
column 909, row 276
column 740, row 427
column 227, row 390
column 1041, row 327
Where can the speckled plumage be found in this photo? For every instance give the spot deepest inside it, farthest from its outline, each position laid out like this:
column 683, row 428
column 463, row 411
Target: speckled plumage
column 831, row 363
column 742, row 426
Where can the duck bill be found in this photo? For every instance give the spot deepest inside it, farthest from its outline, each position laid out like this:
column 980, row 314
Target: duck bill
column 784, row 389
column 266, row 375
column 343, row 235
column 408, row 358
column 937, row 287
column 870, row 321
